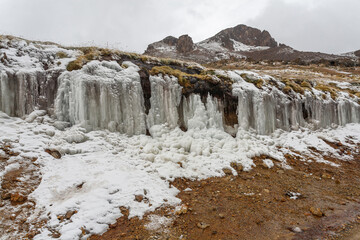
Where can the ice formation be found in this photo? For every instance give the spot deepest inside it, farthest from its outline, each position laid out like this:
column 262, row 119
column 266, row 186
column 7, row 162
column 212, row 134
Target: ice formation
column 102, row 95
column 105, row 95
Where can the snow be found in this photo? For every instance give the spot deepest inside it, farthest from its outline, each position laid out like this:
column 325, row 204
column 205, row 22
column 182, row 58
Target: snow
column 112, row 168
column 238, row 46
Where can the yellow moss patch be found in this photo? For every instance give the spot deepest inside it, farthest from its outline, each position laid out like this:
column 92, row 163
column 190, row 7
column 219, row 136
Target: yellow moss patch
column 287, row 89
column 183, row 78
column 258, row 82
column 305, row 84
column 62, row 54
column 329, row 89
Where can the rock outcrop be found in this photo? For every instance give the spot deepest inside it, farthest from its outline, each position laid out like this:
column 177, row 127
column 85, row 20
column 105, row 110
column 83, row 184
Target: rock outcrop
column 246, row 35
column 185, row 44
column 357, row 53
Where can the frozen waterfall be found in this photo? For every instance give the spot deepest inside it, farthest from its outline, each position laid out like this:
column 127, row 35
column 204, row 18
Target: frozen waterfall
column 105, row 95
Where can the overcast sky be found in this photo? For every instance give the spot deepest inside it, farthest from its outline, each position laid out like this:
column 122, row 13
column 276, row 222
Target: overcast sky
column 330, row 26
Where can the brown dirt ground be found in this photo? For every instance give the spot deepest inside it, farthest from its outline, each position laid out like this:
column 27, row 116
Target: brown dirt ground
column 15, row 207
column 257, row 205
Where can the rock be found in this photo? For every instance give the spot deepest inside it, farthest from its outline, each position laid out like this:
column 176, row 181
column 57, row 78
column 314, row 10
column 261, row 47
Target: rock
column 227, row 171
column 237, row 166
column 5, row 196
column 113, row 225
column 139, row 198
column 69, row 214
column 56, row 235
column 295, row 229
column 17, row 198
column 316, row 212
column 222, row 216
column 202, row 225
column 55, row 153
column 181, row 210
column 326, row 175
column 185, row 44
column 357, row 53
column 266, row 190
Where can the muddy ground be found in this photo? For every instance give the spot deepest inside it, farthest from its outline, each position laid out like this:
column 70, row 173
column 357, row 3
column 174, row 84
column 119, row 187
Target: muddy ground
column 310, row 201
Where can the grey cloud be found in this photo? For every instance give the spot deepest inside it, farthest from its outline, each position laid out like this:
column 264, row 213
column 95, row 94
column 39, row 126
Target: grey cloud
column 131, row 25
column 326, row 26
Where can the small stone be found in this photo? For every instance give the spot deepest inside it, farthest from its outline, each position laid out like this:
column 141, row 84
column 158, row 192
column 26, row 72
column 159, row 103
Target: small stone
column 296, row 230
column 113, row 225
column 5, row 196
column 139, row 198
column 69, row 214
column 237, row 166
column 316, row 212
column 326, row 176
column 280, row 171
column 202, row 225
column 222, row 216
column 181, row 210
column 55, row 153
column 17, row 198
column 266, row 190
column 227, row 171
column 56, row 235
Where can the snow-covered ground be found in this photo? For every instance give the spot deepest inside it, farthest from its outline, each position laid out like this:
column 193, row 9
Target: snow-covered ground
column 112, row 168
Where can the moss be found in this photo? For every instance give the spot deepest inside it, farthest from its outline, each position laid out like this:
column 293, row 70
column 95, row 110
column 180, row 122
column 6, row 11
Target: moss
column 183, row 78
column 294, row 86
column 329, row 89
column 287, row 89
column 58, row 63
column 258, row 82
column 62, row 54
column 77, row 64
column 306, row 84
column 106, row 52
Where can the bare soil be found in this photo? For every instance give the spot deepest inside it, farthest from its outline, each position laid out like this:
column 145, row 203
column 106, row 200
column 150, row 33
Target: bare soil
column 259, row 205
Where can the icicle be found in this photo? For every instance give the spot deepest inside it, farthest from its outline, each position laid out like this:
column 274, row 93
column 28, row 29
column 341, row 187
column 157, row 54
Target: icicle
column 165, row 99
column 102, row 95
column 199, row 115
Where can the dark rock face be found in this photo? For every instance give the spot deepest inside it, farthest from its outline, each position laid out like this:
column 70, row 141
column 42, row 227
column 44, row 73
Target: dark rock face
column 185, row 44
column 244, row 34
column 170, row 40
column 357, row 53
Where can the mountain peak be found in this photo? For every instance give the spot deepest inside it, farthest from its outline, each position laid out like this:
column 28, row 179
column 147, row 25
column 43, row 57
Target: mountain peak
column 244, row 34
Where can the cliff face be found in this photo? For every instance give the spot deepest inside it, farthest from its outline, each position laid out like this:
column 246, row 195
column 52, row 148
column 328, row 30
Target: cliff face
column 130, row 94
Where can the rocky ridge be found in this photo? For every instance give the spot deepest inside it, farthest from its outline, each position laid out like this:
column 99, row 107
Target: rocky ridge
column 241, row 42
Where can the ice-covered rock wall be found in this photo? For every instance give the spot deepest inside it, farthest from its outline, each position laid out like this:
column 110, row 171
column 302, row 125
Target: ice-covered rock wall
column 123, row 98
column 269, row 109
column 24, row 91
column 102, row 95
